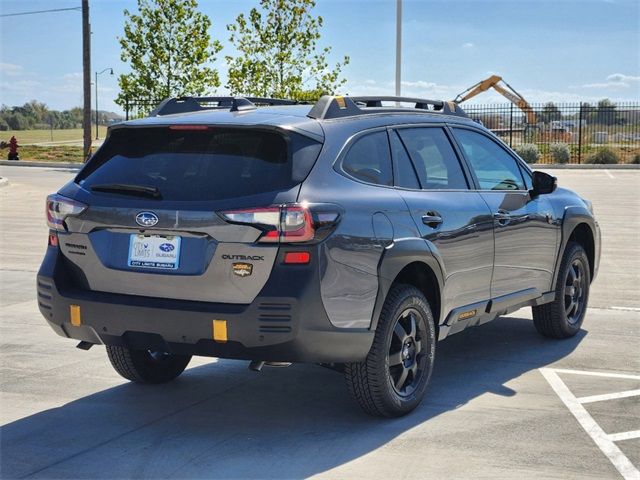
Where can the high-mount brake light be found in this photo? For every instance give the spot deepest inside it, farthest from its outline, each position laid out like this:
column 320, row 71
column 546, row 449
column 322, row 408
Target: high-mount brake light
column 59, row 208
column 188, row 127
column 284, row 224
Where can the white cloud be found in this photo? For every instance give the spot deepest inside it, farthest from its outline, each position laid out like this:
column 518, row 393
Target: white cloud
column 468, row 45
column 10, row 69
column 615, row 80
column 621, row 77
column 418, row 84
column 437, row 91
column 21, row 87
column 71, row 83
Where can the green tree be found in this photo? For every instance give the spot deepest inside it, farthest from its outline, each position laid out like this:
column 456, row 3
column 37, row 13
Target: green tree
column 169, row 49
column 550, row 112
column 606, row 113
column 278, row 52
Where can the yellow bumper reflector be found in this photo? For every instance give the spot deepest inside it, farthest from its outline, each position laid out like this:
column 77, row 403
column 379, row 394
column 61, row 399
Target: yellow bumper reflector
column 74, row 314
column 220, row 331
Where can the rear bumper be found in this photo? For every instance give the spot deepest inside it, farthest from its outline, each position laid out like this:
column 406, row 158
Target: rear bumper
column 286, row 321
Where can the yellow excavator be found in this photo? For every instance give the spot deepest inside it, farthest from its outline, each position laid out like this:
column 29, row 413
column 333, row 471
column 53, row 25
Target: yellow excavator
column 499, row 85
column 506, row 91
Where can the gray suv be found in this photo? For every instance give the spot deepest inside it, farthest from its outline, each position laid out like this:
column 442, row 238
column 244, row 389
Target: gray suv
column 354, row 233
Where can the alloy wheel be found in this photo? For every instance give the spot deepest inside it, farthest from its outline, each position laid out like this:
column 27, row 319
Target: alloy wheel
column 574, row 291
column 407, row 355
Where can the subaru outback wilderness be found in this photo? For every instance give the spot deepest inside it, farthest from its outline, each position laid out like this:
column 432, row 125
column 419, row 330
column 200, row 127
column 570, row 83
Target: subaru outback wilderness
column 353, row 233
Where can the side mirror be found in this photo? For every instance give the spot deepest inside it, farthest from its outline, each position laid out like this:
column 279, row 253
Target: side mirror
column 543, row 183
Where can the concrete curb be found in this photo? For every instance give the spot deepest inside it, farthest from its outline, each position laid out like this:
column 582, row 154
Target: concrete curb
column 4, row 182
column 583, row 166
column 24, row 163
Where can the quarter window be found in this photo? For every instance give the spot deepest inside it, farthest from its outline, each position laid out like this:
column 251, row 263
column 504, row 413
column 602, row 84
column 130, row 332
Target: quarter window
column 402, row 165
column 494, row 168
column 369, row 159
column 435, row 160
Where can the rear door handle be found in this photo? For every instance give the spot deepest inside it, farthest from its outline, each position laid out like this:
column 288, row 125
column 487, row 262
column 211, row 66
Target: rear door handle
column 502, row 217
column 432, row 219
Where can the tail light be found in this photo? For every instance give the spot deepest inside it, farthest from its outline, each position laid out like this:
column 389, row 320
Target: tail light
column 288, row 223
column 59, row 208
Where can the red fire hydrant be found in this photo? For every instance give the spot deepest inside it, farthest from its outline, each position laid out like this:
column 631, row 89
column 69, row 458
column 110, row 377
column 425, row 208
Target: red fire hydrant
column 13, row 149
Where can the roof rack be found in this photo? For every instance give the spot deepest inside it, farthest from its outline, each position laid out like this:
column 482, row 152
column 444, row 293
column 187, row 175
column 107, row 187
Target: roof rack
column 329, row 107
column 172, row 106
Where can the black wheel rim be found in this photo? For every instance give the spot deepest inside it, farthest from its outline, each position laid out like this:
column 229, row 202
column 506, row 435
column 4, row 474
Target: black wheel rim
column 407, row 353
column 575, row 288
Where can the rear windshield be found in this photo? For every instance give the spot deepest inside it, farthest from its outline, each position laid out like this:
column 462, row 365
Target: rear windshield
column 199, row 165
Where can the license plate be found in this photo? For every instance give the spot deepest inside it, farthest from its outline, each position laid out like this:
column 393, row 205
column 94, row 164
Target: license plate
column 154, row 251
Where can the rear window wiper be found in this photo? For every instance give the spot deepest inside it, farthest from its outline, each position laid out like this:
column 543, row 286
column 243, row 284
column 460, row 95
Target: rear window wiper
column 128, row 189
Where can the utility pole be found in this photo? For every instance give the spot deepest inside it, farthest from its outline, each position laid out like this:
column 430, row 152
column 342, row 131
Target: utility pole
column 398, row 47
column 86, row 79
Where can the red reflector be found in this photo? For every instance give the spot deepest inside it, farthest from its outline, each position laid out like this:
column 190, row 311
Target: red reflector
column 53, row 240
column 188, row 127
column 297, row 257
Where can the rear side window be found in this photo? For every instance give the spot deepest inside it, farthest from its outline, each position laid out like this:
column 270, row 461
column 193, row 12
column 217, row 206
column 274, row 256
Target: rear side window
column 368, row 159
column 435, row 160
column 201, row 165
column 494, row 168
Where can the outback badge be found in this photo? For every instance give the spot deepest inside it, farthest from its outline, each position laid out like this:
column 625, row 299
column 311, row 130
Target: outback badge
column 243, row 269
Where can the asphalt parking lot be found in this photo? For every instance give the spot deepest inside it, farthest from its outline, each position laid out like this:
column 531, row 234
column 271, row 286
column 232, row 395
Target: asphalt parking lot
column 503, row 403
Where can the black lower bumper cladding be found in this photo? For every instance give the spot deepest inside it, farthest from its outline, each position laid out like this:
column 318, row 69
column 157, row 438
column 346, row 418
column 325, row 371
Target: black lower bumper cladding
column 286, row 322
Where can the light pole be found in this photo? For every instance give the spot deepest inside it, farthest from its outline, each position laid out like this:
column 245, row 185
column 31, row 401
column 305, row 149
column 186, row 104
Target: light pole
column 110, row 70
column 398, row 47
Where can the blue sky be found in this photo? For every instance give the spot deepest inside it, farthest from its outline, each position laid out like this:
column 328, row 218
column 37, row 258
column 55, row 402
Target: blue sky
column 560, row 50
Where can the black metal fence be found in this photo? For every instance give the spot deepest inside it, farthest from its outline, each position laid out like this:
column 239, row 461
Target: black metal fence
column 583, row 127
column 139, row 107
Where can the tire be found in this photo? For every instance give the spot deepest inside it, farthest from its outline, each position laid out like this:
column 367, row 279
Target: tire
column 144, row 366
column 393, row 379
column 563, row 317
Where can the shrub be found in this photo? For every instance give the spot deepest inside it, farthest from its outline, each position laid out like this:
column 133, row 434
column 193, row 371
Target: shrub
column 604, row 155
column 636, row 159
column 559, row 152
column 528, row 152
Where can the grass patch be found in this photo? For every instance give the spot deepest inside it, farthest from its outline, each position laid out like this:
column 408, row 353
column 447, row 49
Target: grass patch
column 57, row 153
column 27, row 137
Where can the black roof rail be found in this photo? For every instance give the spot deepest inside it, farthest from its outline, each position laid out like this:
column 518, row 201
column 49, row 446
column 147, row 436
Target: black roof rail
column 329, row 107
column 171, row 106
column 271, row 101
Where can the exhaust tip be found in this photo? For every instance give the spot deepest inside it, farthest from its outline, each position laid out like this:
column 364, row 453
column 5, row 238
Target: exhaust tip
column 256, row 365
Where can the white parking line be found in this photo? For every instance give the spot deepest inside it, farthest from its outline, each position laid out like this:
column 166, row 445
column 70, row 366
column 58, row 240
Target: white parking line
column 602, row 440
column 616, row 437
column 595, row 374
column 628, row 309
column 609, row 174
column 609, row 396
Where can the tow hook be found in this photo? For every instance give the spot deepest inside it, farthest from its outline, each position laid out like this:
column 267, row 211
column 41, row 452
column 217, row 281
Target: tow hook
column 84, row 345
column 256, row 365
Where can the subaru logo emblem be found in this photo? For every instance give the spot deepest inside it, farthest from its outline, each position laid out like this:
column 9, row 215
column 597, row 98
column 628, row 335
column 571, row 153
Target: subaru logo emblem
column 167, row 247
column 146, row 219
